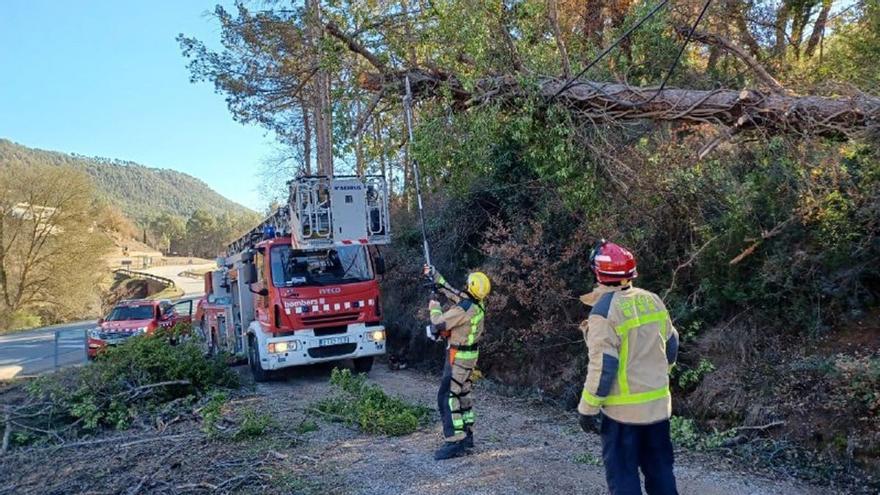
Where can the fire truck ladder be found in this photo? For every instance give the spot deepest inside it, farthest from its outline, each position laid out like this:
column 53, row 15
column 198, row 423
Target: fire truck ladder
column 276, row 224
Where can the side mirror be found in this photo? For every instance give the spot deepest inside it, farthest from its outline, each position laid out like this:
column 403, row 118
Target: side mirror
column 247, row 257
column 249, row 273
column 263, row 292
column 380, row 265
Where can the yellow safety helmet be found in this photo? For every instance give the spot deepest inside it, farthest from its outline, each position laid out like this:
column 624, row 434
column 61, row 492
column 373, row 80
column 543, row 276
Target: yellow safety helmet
column 478, row 285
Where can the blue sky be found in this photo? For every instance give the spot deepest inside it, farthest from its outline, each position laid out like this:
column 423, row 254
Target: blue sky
column 106, row 78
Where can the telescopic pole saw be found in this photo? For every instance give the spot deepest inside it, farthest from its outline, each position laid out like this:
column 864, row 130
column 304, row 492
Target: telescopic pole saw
column 407, row 108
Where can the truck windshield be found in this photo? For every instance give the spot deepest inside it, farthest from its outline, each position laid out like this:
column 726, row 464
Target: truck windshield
column 121, row 313
column 342, row 265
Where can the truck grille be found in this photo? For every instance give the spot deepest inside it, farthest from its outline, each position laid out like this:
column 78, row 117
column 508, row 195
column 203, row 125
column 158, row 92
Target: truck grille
column 334, row 319
column 332, row 350
column 323, row 332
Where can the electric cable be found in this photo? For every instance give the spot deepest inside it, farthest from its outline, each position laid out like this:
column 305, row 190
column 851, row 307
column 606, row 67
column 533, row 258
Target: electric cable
column 571, row 82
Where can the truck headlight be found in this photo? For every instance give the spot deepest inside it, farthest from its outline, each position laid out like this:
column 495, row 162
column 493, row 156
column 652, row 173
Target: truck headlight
column 141, row 330
column 94, row 333
column 376, row 335
column 279, row 347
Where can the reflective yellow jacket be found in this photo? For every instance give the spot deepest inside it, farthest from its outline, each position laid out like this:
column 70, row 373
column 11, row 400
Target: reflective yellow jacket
column 462, row 324
column 632, row 345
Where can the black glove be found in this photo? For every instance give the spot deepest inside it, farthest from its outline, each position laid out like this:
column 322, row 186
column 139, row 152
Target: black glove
column 591, row 423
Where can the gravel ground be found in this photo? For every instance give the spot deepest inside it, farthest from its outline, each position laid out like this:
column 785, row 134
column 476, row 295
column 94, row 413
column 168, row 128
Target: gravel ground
column 522, row 448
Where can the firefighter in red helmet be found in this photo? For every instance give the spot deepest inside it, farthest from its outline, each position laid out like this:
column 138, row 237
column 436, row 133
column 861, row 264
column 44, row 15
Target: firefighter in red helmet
column 632, row 345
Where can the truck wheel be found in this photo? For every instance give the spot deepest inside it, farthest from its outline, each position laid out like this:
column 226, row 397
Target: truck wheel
column 363, row 364
column 260, row 375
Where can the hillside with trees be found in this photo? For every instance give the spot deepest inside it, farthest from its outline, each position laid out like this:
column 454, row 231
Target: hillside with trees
column 732, row 145
column 170, row 210
column 140, row 192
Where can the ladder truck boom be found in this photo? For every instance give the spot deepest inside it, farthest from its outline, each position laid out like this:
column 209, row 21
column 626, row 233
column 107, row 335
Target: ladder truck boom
column 301, row 286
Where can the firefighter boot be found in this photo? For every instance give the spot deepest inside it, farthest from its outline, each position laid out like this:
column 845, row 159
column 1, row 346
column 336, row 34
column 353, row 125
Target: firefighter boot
column 450, row 450
column 469, row 439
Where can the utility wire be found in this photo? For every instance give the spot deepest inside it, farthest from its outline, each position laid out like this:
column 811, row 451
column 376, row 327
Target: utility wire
column 677, row 57
column 571, row 82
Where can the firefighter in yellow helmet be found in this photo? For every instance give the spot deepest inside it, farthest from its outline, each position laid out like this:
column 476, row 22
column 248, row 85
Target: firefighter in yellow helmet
column 462, row 327
column 632, row 345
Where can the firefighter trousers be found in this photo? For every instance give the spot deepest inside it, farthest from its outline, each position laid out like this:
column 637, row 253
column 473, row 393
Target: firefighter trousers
column 454, row 399
column 627, row 448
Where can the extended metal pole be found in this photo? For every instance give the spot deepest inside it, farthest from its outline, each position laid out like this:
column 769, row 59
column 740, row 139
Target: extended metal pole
column 407, row 105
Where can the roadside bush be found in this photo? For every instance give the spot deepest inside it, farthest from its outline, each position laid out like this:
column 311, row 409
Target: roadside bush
column 686, row 434
column 688, row 378
column 140, row 376
column 367, row 406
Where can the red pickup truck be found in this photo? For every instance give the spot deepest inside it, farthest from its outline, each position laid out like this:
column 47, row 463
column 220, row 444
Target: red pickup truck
column 136, row 317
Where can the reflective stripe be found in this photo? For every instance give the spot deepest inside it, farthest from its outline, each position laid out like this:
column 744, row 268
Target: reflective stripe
column 475, row 321
column 628, row 399
column 623, row 330
column 436, row 311
column 467, row 355
column 621, row 367
column 638, row 321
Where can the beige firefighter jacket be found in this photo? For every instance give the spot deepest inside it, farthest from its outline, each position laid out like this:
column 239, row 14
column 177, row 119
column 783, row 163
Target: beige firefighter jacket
column 462, row 324
column 632, row 345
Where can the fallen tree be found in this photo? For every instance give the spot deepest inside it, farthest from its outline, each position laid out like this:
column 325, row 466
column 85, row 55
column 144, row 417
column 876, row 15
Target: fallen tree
column 857, row 115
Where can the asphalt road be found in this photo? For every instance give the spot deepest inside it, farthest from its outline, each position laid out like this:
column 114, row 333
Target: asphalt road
column 190, row 286
column 34, row 351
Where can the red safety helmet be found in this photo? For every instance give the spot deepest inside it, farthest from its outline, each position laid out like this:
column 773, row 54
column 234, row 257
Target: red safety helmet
column 612, row 263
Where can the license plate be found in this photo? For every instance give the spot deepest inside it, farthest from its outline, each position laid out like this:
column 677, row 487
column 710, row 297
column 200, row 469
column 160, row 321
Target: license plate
column 333, row 341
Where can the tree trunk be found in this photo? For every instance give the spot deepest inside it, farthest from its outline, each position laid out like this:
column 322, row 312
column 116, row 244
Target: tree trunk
column 818, row 29
column 781, row 23
column 307, row 140
column 320, row 96
column 560, row 41
column 594, row 22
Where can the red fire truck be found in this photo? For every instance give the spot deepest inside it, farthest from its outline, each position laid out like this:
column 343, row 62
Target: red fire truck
column 301, row 287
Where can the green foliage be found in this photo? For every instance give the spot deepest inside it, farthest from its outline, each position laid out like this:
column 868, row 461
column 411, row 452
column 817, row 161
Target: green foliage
column 212, row 412
column 367, row 406
column 686, row 434
column 588, row 458
column 18, row 320
column 306, row 426
column 134, row 378
column 253, row 424
column 688, row 378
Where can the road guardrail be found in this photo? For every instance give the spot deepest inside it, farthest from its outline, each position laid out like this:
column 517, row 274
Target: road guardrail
column 148, row 276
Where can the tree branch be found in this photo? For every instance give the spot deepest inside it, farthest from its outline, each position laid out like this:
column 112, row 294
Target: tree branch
column 729, row 46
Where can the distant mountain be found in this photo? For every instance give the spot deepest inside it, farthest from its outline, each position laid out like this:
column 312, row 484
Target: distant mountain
column 140, row 192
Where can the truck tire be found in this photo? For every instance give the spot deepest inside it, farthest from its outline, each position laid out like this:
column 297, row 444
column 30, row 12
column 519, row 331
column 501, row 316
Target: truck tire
column 260, row 375
column 363, row 364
